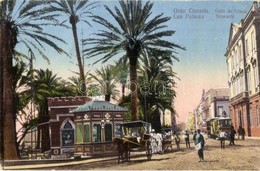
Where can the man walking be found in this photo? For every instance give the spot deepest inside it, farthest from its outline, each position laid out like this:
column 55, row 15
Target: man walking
column 222, row 137
column 187, row 139
column 199, row 141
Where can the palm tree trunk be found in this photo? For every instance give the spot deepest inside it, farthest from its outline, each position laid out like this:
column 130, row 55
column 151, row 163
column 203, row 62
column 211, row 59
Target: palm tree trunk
column 134, row 95
column 81, row 69
column 9, row 132
column 107, row 97
column 123, row 91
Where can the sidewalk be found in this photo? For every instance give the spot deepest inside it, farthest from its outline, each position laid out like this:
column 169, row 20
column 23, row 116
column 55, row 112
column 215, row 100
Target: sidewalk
column 45, row 164
column 243, row 156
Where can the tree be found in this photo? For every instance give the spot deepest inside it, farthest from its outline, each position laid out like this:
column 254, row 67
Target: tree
column 21, row 22
column 156, row 81
column 136, row 34
column 121, row 69
column 45, row 84
column 22, row 99
column 76, row 10
column 106, row 77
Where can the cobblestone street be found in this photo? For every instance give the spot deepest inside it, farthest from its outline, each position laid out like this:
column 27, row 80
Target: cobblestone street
column 245, row 155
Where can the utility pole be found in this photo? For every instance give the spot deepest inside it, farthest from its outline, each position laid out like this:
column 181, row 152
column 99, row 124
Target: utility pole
column 1, row 99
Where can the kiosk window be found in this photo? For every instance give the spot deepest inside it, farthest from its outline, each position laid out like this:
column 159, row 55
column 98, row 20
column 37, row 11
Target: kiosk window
column 67, row 135
column 108, row 132
column 96, row 133
column 86, row 133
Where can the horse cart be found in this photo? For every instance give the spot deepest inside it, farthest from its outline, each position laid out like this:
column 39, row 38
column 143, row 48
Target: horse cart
column 134, row 136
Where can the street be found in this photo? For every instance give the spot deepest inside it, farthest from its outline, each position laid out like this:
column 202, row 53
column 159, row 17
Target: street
column 245, row 155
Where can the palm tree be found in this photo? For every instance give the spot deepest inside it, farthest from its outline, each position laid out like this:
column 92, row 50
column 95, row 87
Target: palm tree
column 21, row 98
column 157, row 83
column 121, row 69
column 21, row 22
column 136, row 34
column 107, row 81
column 46, row 84
column 76, row 11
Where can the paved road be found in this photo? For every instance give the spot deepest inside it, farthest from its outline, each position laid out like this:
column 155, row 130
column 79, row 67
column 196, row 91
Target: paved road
column 245, row 155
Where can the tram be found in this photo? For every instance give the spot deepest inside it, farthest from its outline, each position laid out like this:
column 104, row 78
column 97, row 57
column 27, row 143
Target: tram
column 215, row 124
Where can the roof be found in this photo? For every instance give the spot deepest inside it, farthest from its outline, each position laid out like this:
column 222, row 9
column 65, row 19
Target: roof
column 219, row 118
column 134, row 124
column 99, row 106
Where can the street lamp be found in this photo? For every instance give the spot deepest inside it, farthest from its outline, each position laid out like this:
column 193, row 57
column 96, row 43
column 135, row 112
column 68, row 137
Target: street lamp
column 145, row 113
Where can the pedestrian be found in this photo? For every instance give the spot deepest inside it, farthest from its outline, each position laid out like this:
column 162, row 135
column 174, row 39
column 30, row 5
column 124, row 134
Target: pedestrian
column 187, row 139
column 199, row 142
column 241, row 132
column 232, row 136
column 177, row 140
column 222, row 137
column 194, row 137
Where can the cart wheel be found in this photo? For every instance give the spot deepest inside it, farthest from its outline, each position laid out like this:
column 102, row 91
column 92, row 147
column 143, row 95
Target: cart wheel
column 149, row 151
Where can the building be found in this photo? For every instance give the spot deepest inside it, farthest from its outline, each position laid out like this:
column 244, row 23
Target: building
column 190, row 122
column 214, row 103
column 96, row 123
column 57, row 134
column 79, row 126
column 242, row 58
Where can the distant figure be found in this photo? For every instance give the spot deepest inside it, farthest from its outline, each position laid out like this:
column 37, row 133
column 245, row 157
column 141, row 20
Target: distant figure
column 194, row 137
column 232, row 135
column 241, row 132
column 200, row 140
column 177, row 140
column 231, row 126
column 222, row 137
column 187, row 139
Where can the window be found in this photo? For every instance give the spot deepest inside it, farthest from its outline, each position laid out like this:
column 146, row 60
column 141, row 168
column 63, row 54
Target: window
column 67, row 134
column 258, row 116
column 108, row 132
column 241, row 83
column 246, row 48
column 220, row 110
column 234, row 61
column 86, row 137
column 236, row 58
column 233, row 89
column 79, row 132
column 239, row 54
column 251, row 117
column 96, row 133
column 253, row 41
column 238, row 86
column 249, row 80
column 256, row 76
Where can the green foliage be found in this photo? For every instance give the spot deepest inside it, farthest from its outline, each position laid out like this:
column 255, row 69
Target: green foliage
column 135, row 33
column 22, row 18
column 106, row 78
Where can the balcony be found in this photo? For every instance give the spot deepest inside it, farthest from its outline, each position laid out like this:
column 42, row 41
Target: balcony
column 239, row 98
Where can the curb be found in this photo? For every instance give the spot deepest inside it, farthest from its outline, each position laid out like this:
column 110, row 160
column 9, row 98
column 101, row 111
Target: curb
column 48, row 165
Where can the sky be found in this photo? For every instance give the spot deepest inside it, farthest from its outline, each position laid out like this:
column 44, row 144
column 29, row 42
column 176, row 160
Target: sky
column 202, row 27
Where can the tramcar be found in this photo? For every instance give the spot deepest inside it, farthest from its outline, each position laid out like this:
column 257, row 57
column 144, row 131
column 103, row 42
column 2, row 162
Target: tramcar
column 215, row 124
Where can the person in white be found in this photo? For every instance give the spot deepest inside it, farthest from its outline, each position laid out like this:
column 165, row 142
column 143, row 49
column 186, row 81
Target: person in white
column 222, row 137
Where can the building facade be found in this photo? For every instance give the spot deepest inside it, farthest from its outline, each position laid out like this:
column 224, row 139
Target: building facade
column 242, row 58
column 57, row 134
column 96, row 124
column 214, row 103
